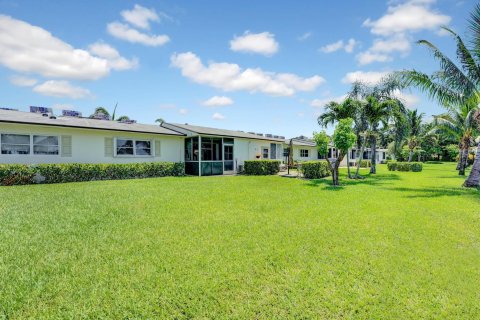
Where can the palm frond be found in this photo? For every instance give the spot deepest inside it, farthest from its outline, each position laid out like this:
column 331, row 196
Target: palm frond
column 453, row 76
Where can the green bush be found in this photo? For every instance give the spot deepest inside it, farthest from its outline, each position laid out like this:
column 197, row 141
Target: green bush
column 450, row 152
column 366, row 163
column 13, row 174
column 315, row 169
column 261, row 167
column 404, row 166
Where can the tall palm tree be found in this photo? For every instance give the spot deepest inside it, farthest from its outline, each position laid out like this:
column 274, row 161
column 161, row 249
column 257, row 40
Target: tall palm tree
column 458, row 125
column 474, row 177
column 455, row 84
column 414, row 120
column 160, row 121
column 377, row 113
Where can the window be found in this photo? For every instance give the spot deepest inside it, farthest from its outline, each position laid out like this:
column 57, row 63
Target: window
column 303, row 153
column 211, row 149
column 143, row 148
column 45, row 145
column 273, row 147
column 15, row 144
column 265, row 153
column 127, row 147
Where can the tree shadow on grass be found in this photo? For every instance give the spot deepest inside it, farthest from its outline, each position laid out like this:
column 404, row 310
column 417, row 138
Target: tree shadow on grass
column 377, row 179
column 438, row 192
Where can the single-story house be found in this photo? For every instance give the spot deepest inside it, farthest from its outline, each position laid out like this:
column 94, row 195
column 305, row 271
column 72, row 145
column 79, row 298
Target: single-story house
column 211, row 151
column 34, row 137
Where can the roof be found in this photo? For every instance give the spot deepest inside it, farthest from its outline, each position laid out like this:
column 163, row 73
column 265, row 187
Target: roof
column 84, row 123
column 222, row 132
column 302, row 142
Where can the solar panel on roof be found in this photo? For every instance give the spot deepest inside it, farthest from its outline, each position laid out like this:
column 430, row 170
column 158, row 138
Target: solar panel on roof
column 8, row 109
column 35, row 109
column 71, row 113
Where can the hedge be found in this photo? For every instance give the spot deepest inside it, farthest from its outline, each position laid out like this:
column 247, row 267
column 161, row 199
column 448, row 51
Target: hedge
column 404, row 166
column 366, row 163
column 18, row 174
column 315, row 169
column 261, row 167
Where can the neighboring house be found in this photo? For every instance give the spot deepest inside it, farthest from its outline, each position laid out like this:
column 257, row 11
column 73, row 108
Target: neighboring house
column 33, row 138
column 210, row 151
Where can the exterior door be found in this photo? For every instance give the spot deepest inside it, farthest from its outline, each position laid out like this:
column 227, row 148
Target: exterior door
column 228, row 163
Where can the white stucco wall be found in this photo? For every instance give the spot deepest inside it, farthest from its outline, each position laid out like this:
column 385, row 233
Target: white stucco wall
column 312, row 153
column 247, row 149
column 88, row 146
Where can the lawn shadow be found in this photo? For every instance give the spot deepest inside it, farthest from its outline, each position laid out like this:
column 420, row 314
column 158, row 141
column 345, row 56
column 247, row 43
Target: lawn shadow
column 370, row 179
column 438, row 192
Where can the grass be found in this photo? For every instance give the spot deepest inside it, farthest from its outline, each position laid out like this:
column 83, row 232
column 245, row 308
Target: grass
column 395, row 245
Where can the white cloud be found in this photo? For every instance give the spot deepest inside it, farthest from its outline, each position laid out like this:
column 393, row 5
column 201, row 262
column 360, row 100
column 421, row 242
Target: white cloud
column 230, row 77
column 368, row 57
column 113, row 57
column 125, row 32
column 218, row 116
column 28, row 48
column 305, row 36
column 411, row 16
column 140, row 17
column 320, row 103
column 22, row 81
column 183, row 111
column 332, row 47
column 348, row 46
column 410, row 100
column 371, row 77
column 218, row 101
column 61, row 89
column 262, row 43
column 395, row 26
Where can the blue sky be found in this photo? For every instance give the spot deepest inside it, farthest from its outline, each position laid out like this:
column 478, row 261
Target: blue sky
column 263, row 66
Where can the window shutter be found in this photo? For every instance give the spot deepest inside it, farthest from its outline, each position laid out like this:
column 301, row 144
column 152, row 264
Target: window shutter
column 66, row 146
column 157, row 148
column 108, row 147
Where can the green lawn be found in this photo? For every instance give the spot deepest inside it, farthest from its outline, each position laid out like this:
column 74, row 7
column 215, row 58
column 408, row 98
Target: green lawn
column 394, row 246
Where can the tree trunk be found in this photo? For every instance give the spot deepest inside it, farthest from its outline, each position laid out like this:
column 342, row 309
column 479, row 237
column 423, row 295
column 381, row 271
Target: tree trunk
column 348, row 164
column 473, row 180
column 462, row 161
column 359, row 159
column 459, row 163
column 373, row 168
column 410, row 155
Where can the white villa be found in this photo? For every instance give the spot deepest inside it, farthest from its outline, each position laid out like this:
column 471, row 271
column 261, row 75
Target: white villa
column 32, row 138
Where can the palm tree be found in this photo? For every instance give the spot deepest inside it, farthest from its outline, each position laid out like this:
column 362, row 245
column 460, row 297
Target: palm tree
column 100, row 112
column 473, row 179
column 458, row 125
column 376, row 113
column 338, row 111
column 160, row 121
column 414, row 120
column 454, row 85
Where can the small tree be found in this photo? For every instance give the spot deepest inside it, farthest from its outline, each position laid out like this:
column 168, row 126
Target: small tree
column 343, row 139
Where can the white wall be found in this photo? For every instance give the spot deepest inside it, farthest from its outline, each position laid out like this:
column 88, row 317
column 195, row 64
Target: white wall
column 88, row 146
column 312, row 153
column 245, row 149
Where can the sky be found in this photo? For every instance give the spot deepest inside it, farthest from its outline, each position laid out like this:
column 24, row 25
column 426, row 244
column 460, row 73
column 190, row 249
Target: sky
column 262, row 66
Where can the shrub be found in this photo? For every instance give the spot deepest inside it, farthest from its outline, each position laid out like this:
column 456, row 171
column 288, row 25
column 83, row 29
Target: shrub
column 315, row 169
column 404, row 166
column 451, row 152
column 261, row 167
column 366, row 163
column 13, row 174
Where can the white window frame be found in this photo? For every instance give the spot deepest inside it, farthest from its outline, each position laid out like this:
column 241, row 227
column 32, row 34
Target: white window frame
column 134, row 155
column 302, row 153
column 44, row 135
column 32, row 153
